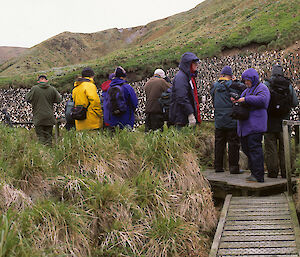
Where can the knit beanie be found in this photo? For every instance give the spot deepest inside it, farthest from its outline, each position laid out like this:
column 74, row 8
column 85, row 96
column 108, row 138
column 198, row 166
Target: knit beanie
column 226, row 71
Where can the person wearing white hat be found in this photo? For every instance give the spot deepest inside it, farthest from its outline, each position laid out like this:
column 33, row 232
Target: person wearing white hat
column 153, row 89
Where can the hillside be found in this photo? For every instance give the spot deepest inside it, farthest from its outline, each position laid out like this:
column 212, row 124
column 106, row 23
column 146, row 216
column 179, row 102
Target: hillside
column 7, row 52
column 208, row 29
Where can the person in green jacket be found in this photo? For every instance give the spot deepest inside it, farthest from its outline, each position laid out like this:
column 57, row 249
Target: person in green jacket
column 42, row 97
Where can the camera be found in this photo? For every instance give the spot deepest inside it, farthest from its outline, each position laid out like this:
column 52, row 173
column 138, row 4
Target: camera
column 235, row 96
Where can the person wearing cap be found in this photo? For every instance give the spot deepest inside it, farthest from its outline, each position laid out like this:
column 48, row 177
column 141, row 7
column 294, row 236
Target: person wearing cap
column 184, row 107
column 225, row 126
column 125, row 119
column 257, row 97
column 154, row 89
column 273, row 138
column 42, row 97
column 85, row 94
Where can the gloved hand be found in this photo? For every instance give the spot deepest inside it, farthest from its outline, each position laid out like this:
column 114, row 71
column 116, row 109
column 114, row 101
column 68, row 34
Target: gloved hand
column 192, row 120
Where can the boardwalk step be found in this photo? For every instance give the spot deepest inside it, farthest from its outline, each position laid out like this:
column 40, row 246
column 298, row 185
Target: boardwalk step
column 257, row 244
column 257, row 251
column 257, row 227
column 259, row 238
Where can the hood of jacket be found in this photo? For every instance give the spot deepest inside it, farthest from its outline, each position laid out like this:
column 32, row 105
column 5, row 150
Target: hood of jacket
column 277, row 71
column 185, row 62
column 43, row 85
column 252, row 75
column 118, row 81
column 80, row 80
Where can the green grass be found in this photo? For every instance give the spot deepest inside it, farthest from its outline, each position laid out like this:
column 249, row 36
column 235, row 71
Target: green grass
column 95, row 194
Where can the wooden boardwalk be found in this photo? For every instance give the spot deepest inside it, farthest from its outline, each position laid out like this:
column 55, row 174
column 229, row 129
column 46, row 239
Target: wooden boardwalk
column 225, row 183
column 257, row 226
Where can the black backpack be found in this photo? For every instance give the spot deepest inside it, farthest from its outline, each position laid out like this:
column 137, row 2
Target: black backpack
column 116, row 101
column 165, row 102
column 281, row 98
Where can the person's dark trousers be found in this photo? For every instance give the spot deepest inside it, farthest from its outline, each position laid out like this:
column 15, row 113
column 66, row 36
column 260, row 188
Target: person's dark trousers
column 154, row 121
column 252, row 147
column 223, row 136
column 44, row 134
column 274, row 147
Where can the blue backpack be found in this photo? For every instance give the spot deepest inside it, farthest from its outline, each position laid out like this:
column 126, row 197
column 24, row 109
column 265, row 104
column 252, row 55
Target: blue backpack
column 116, row 101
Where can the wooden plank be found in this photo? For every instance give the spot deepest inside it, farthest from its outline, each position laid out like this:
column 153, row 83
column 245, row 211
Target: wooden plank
column 258, row 205
column 259, row 232
column 295, row 222
column 219, row 231
column 266, row 217
column 232, row 213
column 264, row 255
column 253, row 238
column 257, row 222
column 264, row 209
column 258, row 251
column 257, row 244
column 258, row 227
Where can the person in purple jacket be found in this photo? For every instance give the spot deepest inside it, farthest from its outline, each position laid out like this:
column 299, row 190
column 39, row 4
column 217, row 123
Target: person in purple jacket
column 127, row 98
column 257, row 97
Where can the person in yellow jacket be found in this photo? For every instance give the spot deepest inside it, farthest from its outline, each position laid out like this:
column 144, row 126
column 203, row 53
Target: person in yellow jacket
column 85, row 94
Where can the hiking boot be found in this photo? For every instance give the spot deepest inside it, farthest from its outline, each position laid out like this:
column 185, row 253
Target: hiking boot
column 217, row 171
column 253, row 179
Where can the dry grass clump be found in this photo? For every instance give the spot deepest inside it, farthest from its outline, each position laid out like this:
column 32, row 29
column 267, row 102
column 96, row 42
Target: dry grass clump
column 97, row 194
column 11, row 198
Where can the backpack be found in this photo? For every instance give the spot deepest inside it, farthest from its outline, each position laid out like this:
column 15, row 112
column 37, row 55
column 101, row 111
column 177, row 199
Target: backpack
column 281, row 98
column 78, row 112
column 68, row 109
column 165, row 102
column 116, row 102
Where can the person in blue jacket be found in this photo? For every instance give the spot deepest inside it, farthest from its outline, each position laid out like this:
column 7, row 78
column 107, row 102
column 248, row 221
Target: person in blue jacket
column 225, row 126
column 257, row 97
column 127, row 118
column 183, row 107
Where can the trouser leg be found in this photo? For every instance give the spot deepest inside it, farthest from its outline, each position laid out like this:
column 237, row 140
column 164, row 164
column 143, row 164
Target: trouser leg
column 245, row 149
column 44, row 134
column 233, row 150
column 220, row 144
column 256, row 156
column 147, row 122
column 271, row 154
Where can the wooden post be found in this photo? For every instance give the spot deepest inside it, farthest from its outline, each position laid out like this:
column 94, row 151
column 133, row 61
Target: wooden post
column 296, row 139
column 287, row 155
column 56, row 131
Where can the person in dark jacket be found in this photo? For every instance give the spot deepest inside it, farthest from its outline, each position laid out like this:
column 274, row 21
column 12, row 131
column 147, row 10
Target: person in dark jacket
column 154, row 89
column 225, row 126
column 273, row 139
column 183, row 108
column 42, row 97
column 126, row 119
column 257, row 97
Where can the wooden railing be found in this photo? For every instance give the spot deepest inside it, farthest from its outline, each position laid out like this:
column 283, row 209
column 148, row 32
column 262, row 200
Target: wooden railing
column 287, row 149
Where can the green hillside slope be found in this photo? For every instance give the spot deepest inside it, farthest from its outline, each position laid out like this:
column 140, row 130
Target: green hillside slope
column 207, row 30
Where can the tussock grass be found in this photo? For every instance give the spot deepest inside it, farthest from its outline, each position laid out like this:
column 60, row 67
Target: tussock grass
column 98, row 194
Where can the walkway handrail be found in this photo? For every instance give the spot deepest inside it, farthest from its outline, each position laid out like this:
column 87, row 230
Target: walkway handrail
column 287, row 149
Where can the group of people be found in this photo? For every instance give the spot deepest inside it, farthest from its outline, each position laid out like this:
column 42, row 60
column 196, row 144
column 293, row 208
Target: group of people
column 180, row 103
column 266, row 104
